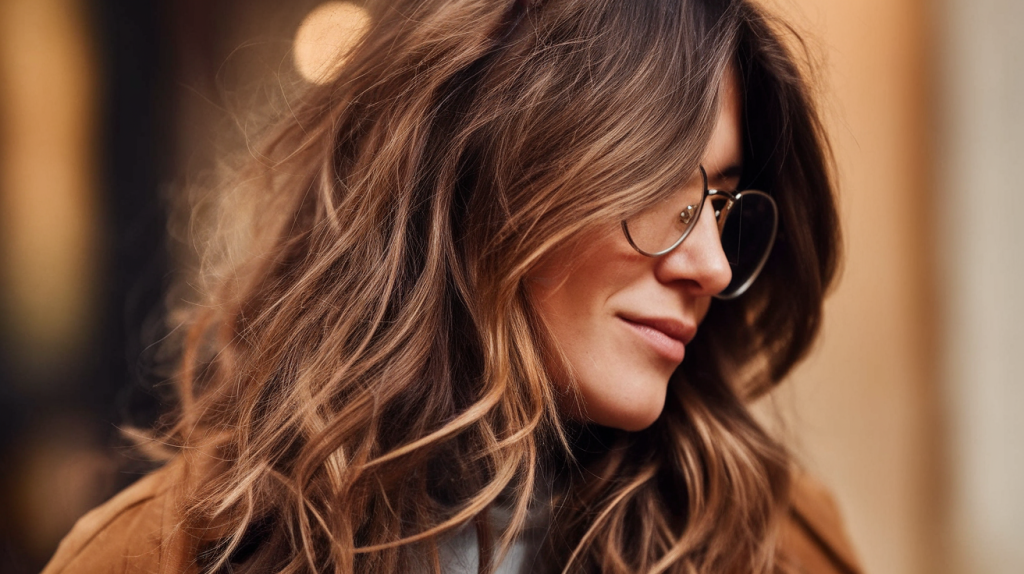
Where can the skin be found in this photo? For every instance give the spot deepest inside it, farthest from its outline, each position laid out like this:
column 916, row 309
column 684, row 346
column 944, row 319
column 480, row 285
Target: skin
column 622, row 319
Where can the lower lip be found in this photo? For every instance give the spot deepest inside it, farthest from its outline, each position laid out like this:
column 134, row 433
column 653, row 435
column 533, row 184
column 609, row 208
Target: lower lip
column 669, row 348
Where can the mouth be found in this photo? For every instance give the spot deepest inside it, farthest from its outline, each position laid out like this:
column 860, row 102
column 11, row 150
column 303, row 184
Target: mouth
column 667, row 337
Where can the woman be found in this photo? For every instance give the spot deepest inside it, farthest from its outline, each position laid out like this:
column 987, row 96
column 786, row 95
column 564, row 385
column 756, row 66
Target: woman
column 457, row 336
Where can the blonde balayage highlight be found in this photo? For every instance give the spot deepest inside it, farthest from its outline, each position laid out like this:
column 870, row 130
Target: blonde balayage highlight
column 372, row 376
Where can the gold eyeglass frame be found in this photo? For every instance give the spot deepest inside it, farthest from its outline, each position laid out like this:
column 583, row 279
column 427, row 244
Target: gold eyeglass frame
column 690, row 219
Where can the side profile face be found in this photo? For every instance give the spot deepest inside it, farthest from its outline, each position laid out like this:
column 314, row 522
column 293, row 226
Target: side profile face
column 622, row 319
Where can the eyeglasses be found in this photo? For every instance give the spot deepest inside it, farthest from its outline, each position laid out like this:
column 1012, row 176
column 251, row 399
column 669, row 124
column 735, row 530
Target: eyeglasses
column 747, row 222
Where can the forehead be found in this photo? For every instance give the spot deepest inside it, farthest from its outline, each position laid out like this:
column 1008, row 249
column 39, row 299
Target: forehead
column 723, row 158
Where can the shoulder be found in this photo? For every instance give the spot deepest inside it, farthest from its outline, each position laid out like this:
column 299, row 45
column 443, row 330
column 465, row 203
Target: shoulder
column 813, row 539
column 133, row 532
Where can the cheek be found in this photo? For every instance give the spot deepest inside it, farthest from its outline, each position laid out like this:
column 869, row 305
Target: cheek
column 613, row 379
column 574, row 284
column 571, row 290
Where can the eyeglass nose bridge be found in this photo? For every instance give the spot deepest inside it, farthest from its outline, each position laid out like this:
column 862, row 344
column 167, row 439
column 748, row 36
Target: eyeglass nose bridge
column 722, row 213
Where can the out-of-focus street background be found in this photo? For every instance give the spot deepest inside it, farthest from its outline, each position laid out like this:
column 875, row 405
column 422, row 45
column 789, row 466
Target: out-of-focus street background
column 911, row 407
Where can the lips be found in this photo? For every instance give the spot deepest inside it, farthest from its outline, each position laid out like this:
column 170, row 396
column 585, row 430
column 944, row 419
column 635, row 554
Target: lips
column 666, row 336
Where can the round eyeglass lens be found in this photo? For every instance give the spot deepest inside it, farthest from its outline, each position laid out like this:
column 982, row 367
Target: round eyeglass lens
column 747, row 237
column 660, row 226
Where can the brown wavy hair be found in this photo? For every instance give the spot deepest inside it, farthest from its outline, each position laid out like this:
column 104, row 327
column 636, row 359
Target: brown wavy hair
column 363, row 372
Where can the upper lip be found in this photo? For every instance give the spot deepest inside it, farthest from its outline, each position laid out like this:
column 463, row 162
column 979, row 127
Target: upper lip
column 674, row 328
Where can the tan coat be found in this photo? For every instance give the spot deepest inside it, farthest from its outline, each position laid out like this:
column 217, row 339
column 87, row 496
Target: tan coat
column 134, row 533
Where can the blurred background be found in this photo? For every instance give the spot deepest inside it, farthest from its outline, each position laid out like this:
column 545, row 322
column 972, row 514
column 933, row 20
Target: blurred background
column 908, row 407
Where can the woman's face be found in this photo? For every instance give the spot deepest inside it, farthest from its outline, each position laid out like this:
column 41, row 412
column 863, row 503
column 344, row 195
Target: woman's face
column 622, row 319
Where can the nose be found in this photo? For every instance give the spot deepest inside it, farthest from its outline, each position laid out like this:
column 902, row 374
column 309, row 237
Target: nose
column 699, row 261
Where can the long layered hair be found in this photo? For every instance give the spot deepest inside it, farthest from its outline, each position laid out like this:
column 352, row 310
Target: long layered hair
column 364, row 372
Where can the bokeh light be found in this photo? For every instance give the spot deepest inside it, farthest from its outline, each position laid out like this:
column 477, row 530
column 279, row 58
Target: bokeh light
column 325, row 37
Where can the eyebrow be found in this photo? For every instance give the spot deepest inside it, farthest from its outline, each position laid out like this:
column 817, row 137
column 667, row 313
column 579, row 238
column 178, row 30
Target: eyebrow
column 732, row 171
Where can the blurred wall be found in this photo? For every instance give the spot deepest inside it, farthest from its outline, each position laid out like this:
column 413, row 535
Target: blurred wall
column 862, row 411
column 909, row 407
column 50, row 260
column 48, row 175
column 980, row 249
column 81, row 258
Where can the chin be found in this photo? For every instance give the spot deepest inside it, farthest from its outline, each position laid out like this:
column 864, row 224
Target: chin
column 633, row 415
